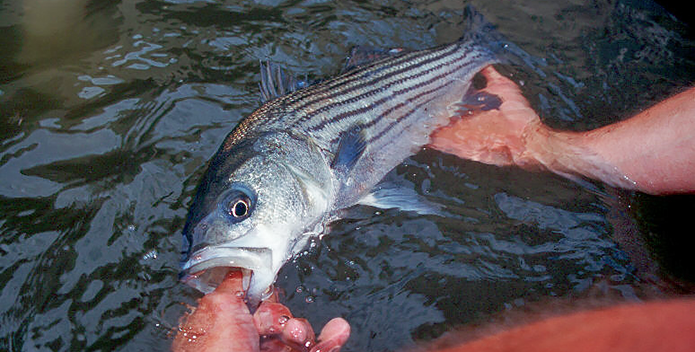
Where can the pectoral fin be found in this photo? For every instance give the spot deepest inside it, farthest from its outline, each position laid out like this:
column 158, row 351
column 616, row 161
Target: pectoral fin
column 350, row 148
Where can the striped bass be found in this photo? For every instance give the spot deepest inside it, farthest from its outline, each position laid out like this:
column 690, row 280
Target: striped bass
column 287, row 170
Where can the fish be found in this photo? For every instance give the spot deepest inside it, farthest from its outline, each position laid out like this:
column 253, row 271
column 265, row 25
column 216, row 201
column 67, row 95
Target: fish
column 290, row 167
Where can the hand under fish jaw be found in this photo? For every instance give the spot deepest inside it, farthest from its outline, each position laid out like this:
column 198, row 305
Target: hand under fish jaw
column 207, row 268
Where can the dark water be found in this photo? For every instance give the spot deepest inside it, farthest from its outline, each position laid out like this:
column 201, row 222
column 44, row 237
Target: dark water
column 110, row 110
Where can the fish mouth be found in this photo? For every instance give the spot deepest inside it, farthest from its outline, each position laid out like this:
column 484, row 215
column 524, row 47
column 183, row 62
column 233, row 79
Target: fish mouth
column 208, row 267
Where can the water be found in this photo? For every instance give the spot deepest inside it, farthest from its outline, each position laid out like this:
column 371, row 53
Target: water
column 110, row 110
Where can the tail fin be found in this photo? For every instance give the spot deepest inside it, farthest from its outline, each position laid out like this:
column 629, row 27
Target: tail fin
column 481, row 32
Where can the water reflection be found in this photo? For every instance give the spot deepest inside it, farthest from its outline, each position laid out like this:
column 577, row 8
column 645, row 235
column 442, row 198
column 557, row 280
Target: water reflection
column 110, row 111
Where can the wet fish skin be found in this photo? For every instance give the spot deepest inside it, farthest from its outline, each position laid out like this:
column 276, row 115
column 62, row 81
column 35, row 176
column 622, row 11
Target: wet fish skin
column 302, row 157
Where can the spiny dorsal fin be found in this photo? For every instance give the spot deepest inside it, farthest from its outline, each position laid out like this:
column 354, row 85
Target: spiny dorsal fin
column 274, row 82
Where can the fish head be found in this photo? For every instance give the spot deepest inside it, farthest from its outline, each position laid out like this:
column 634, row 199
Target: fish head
column 252, row 211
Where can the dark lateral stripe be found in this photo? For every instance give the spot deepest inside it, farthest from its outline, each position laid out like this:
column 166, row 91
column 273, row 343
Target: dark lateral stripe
column 407, row 84
column 398, row 121
column 405, row 115
column 364, row 109
column 371, row 81
column 368, row 70
column 376, row 120
column 275, row 110
column 409, row 101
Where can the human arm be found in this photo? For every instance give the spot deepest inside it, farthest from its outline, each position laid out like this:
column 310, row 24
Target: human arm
column 653, row 152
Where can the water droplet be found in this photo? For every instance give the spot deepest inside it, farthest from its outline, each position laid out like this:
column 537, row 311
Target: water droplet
column 283, row 320
column 131, row 227
column 309, row 299
column 299, row 289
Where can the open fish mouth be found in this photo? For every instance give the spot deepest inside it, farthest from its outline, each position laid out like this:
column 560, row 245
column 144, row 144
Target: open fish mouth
column 208, row 267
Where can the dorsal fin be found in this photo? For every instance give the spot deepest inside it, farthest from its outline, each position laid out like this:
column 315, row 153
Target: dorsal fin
column 362, row 55
column 275, row 82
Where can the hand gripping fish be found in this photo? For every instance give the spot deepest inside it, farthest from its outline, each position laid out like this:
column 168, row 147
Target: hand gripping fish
column 287, row 170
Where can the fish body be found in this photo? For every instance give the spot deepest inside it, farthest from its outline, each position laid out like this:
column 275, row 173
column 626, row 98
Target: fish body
column 291, row 166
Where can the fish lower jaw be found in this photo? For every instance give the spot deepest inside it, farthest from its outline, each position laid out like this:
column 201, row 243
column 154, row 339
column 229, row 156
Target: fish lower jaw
column 208, row 280
column 207, row 269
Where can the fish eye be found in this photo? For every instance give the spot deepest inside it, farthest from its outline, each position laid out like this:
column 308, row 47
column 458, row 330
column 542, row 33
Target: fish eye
column 240, row 207
column 237, row 203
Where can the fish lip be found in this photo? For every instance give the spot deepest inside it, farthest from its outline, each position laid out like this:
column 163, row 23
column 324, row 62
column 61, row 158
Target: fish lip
column 207, row 267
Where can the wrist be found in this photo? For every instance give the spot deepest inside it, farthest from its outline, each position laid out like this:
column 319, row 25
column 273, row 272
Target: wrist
column 570, row 154
column 539, row 141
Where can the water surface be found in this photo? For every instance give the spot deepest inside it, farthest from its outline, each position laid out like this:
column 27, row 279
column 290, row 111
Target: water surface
column 109, row 111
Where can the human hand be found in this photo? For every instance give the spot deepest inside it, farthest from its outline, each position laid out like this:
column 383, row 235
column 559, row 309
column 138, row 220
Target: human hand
column 496, row 136
column 223, row 322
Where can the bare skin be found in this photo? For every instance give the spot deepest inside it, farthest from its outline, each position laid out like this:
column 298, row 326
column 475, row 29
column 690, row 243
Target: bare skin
column 644, row 327
column 652, row 152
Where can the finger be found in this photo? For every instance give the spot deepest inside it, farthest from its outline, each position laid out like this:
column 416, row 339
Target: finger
column 221, row 321
column 233, row 283
column 298, row 334
column 333, row 336
column 270, row 318
column 499, row 85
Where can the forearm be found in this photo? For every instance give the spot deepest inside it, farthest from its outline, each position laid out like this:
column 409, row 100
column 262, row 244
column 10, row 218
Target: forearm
column 653, row 152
